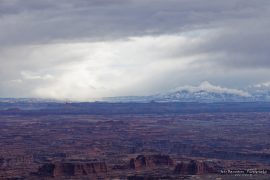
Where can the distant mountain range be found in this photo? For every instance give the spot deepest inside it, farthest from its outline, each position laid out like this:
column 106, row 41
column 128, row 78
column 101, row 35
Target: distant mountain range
column 205, row 92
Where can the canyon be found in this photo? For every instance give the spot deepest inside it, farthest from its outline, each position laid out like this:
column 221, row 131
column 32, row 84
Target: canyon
column 125, row 142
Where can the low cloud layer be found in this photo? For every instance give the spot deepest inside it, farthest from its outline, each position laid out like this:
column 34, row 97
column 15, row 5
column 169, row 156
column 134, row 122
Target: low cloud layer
column 89, row 49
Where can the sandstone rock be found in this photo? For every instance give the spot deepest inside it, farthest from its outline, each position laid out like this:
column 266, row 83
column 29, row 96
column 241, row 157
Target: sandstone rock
column 72, row 168
column 193, row 168
column 142, row 161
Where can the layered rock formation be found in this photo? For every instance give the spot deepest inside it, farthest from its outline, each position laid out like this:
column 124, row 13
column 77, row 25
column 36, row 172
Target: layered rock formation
column 72, row 168
column 193, row 168
column 143, row 161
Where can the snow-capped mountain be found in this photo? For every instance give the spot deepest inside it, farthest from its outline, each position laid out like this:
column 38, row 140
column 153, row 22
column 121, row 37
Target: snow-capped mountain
column 205, row 92
column 260, row 92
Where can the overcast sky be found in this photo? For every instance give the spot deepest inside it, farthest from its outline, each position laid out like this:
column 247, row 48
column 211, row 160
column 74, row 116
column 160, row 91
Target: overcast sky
column 83, row 49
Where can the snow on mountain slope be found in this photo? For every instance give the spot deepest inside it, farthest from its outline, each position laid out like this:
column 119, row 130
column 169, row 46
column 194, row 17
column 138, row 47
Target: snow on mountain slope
column 205, row 92
column 207, row 87
column 260, row 92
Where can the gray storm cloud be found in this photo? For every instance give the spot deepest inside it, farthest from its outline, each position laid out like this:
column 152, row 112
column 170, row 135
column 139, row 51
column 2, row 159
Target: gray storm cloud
column 97, row 46
column 30, row 21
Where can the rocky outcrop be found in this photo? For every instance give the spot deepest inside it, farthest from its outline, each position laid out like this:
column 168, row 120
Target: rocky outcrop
column 193, row 168
column 143, row 161
column 46, row 170
column 72, row 169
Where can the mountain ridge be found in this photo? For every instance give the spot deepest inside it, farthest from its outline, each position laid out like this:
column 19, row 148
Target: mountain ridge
column 204, row 92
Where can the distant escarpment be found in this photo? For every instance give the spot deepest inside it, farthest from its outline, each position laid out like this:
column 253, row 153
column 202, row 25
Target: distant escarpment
column 72, row 168
column 194, row 167
column 150, row 161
